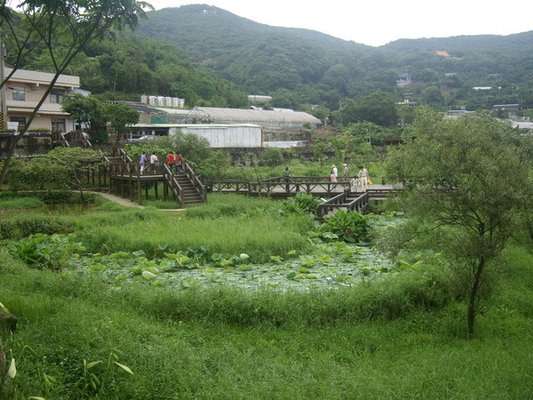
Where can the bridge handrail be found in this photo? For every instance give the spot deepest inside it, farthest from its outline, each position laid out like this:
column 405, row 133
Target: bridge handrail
column 174, row 184
column 340, row 200
column 199, row 186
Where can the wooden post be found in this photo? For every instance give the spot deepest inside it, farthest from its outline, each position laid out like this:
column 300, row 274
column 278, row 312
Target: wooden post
column 139, row 189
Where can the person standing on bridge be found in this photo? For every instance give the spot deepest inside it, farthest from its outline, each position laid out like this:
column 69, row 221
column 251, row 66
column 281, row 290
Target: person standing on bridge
column 354, row 185
column 142, row 162
column 286, row 178
column 153, row 162
column 171, row 160
column 363, row 177
column 334, row 173
column 178, row 162
column 345, row 173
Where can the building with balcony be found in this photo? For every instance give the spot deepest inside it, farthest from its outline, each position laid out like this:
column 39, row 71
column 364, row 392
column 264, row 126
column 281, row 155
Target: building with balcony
column 25, row 89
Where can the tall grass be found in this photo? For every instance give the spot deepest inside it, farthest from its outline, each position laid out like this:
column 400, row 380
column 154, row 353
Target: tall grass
column 397, row 339
column 227, row 225
column 21, row 203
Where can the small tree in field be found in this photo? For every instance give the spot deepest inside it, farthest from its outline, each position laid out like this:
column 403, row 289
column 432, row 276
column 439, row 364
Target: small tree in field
column 467, row 184
column 66, row 167
column 64, row 28
column 63, row 168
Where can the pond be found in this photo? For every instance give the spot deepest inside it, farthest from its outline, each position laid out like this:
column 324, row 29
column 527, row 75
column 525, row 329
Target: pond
column 330, row 265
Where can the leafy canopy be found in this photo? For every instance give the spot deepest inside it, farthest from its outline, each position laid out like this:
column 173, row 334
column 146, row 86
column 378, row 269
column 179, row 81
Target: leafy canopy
column 467, row 186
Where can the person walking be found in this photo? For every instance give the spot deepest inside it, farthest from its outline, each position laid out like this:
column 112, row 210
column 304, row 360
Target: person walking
column 363, row 177
column 345, row 173
column 171, row 159
column 178, row 162
column 354, row 183
column 142, row 162
column 153, row 162
column 333, row 175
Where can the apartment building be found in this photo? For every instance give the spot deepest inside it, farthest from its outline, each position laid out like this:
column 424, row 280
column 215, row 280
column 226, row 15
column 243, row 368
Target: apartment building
column 25, row 89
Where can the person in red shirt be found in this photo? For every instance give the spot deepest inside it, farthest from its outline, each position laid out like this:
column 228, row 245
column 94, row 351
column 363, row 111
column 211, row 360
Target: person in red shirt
column 178, row 161
column 171, row 160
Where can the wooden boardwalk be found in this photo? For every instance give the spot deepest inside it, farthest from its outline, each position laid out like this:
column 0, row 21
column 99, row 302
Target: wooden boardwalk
column 338, row 195
column 317, row 186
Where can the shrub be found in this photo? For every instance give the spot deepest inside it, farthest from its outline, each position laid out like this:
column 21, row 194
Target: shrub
column 349, row 226
column 271, row 157
column 302, row 203
column 20, row 227
column 44, row 251
column 20, row 203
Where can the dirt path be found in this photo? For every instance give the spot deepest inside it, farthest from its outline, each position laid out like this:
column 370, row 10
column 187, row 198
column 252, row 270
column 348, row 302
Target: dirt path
column 128, row 203
column 118, row 200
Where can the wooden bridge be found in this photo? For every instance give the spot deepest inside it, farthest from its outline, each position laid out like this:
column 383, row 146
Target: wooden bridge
column 278, row 187
column 126, row 180
column 338, row 194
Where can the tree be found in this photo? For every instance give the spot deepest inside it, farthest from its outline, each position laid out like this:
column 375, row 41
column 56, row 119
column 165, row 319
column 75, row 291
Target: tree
column 378, row 107
column 467, row 181
column 86, row 109
column 99, row 114
column 120, row 118
column 64, row 28
column 62, row 168
column 69, row 165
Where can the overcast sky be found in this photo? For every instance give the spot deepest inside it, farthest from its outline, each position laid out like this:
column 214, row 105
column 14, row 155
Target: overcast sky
column 377, row 22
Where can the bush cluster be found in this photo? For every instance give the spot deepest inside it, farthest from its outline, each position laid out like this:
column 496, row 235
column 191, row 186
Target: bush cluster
column 23, row 226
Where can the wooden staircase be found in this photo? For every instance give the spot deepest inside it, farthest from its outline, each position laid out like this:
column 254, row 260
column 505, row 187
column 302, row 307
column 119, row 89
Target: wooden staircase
column 185, row 186
column 348, row 200
column 190, row 194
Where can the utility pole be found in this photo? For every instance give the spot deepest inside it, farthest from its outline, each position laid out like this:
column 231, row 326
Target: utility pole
column 3, row 109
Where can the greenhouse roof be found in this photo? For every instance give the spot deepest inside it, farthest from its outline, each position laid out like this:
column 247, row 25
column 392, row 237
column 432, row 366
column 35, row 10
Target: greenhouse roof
column 251, row 115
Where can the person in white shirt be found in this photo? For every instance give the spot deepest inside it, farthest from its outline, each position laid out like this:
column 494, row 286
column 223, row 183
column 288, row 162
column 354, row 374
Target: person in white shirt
column 362, row 176
column 153, row 162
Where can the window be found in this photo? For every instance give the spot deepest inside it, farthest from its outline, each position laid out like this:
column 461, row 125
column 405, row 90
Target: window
column 18, row 93
column 59, row 125
column 56, row 96
column 20, row 120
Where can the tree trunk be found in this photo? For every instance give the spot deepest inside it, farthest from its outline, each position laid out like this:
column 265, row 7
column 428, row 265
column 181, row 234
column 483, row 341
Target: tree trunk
column 7, row 160
column 471, row 311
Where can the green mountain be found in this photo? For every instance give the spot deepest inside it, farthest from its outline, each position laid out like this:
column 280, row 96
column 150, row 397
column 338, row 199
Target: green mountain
column 305, row 66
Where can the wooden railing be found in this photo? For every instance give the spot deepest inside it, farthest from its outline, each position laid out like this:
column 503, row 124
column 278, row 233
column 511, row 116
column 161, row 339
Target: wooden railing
column 229, row 185
column 174, row 185
column 80, row 137
column 296, row 186
column 293, row 185
column 59, row 137
column 198, row 185
column 341, row 201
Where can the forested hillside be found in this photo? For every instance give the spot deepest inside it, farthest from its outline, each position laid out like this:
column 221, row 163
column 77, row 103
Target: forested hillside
column 212, row 57
column 302, row 66
column 124, row 67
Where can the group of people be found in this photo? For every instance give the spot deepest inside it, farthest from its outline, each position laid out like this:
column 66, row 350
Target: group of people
column 174, row 162
column 359, row 183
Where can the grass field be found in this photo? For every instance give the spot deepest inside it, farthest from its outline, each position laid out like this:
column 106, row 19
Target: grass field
column 395, row 338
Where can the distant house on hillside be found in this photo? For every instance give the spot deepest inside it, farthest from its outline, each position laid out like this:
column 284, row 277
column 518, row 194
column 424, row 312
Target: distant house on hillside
column 257, row 98
column 404, row 80
column 506, row 110
column 457, row 113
